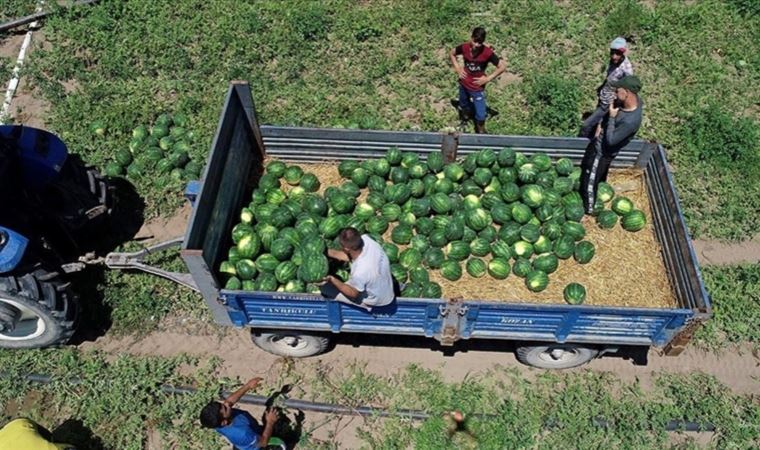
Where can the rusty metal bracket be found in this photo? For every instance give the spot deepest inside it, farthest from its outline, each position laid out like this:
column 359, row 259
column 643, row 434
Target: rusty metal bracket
column 452, row 313
column 677, row 345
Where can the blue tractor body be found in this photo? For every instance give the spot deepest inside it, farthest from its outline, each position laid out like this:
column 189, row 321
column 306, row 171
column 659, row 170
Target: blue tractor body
column 12, row 248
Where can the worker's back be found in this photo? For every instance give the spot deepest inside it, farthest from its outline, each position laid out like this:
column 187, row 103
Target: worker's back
column 23, row 434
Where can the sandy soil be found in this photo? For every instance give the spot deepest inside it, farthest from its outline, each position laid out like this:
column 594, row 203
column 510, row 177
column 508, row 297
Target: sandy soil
column 720, row 253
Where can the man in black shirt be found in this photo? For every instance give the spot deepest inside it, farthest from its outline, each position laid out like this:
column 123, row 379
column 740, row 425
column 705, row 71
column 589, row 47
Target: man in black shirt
column 617, row 129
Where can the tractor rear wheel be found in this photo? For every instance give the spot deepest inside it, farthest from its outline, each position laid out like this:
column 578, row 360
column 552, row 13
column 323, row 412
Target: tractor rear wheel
column 36, row 310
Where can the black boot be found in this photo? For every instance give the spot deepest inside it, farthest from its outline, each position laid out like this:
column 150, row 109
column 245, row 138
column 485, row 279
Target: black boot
column 465, row 117
column 480, row 126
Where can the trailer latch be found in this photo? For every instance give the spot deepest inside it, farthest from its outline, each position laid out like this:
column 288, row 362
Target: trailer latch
column 452, row 314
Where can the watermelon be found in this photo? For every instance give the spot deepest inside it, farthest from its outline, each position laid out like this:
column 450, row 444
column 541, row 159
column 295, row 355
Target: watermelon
column 454, row 172
column 409, row 159
column 416, row 188
column 574, row 230
column 522, row 249
column 574, row 293
column 309, row 182
column 564, row 166
column 499, row 268
column 435, row 162
column 228, row 268
column 451, row 270
column 564, row 247
column 527, row 173
column 295, row 286
column 314, row 204
column 402, row 234
column 454, row 230
column 419, row 275
column 410, row 258
column 360, row 177
column 419, row 242
column 480, row 247
column 398, row 194
column 285, row 271
column 482, row 176
column 248, row 285
column 458, row 250
column 249, row 245
column 417, row 171
column 471, row 201
column 574, row 212
column 552, row 230
column 164, row 166
column 546, row 263
column 476, row 267
column 501, row 249
column 543, row 245
column 510, row 232
column 364, row 211
column 292, row 175
column 584, row 251
column 622, row 205
column 634, row 220
column 421, row 207
column 440, row 203
column 507, row 175
column 486, row 158
column 314, row 268
column 521, row 213
column 377, row 225
column 399, row 273
column 438, row 238
column 266, row 282
column 267, row 233
column 423, row 226
column 522, row 267
column 399, row 175
column 536, row 281
column 510, row 192
column 331, row 226
column 546, row 179
column 159, row 131
column 470, row 163
column 381, row 168
column 391, row 212
column 604, row 192
column 394, row 156
column 266, row 263
column 441, row 222
column 350, row 188
column 444, row 186
column 391, row 251
column 276, row 196
column 563, row 185
column 506, row 157
column 412, row 290
column 347, row 167
column 434, row 258
column 469, row 235
column 530, row 233
column 342, row 203
column 431, row 290
column 478, row 219
column 276, row 168
column 281, row 249
column 572, row 198
column 114, row 169
column 232, row 255
column 282, row 217
column 233, row 284
column 541, row 161
column 376, row 184
column 606, row 219
column 376, row 200
column 488, row 233
column 501, row 213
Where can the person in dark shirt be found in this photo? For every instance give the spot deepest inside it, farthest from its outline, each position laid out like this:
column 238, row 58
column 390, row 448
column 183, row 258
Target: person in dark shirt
column 240, row 429
column 616, row 130
column 473, row 79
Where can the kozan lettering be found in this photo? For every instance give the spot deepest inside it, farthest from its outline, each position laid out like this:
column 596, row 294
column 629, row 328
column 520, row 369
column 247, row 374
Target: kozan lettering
column 513, row 321
column 289, row 311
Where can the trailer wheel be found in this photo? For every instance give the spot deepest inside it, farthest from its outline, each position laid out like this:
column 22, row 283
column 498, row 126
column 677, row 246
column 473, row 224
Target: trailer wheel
column 290, row 343
column 36, row 310
column 555, row 356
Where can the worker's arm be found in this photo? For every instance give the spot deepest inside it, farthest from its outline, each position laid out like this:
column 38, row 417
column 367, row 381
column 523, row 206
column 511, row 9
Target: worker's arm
column 615, row 133
column 500, row 68
column 454, row 62
column 237, row 395
column 344, row 288
column 340, row 255
column 270, row 418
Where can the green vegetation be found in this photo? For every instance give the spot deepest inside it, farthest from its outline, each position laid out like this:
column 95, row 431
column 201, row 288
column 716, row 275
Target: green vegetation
column 385, row 65
column 735, row 293
column 12, row 9
column 120, row 400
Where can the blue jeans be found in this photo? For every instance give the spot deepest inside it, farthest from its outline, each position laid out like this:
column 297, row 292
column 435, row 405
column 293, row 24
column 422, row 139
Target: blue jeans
column 473, row 101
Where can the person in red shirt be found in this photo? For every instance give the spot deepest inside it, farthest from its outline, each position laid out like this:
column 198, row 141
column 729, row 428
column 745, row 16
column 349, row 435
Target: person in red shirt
column 473, row 78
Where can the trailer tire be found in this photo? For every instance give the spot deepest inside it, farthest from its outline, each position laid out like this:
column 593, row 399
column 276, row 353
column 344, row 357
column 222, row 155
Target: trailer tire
column 43, row 309
column 555, row 356
column 290, row 343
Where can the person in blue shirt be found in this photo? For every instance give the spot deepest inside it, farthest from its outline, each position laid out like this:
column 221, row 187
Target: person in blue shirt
column 240, row 429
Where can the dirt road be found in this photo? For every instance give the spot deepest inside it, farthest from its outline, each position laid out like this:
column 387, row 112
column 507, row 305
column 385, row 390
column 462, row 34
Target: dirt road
column 738, row 368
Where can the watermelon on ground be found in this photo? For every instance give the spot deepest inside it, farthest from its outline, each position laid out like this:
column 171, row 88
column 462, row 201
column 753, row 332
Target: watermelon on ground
column 634, row 220
column 574, row 293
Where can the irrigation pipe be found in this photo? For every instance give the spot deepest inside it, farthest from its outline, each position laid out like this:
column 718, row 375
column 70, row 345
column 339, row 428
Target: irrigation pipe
column 363, row 411
column 15, row 77
column 15, row 23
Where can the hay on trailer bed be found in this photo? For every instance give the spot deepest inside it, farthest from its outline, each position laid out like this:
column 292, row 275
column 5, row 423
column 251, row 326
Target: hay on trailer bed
column 627, row 269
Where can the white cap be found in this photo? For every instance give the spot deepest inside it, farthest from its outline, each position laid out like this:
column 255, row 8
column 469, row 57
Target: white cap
column 618, row 43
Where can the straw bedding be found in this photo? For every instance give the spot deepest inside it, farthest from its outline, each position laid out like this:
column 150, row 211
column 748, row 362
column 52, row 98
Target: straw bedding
column 627, row 269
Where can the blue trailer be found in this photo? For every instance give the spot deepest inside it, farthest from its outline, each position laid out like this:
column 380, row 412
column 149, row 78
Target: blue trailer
column 299, row 325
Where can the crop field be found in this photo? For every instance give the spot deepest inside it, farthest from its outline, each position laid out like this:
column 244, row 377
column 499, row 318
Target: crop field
column 106, row 71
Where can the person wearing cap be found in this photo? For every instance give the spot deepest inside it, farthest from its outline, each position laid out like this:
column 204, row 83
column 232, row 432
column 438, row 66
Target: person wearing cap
column 473, row 79
column 616, row 130
column 619, row 67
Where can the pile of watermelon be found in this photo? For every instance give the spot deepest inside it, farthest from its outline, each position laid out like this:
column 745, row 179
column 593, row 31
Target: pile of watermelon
column 492, row 214
column 160, row 152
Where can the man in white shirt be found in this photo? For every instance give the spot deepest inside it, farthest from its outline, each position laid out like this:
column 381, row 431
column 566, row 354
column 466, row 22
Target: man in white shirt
column 370, row 284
